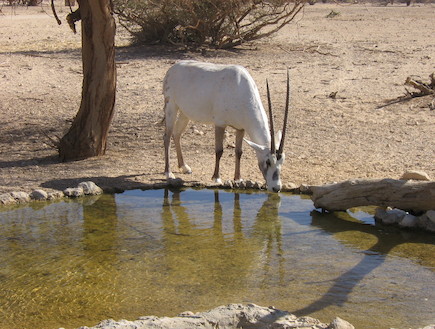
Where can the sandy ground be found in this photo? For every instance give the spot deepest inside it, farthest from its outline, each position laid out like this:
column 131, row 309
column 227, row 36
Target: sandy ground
column 363, row 55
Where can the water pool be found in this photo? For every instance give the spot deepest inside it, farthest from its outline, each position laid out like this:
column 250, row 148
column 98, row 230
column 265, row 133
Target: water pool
column 161, row 252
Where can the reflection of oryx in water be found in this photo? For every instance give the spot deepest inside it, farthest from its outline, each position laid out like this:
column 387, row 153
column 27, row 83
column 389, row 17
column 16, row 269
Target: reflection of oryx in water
column 267, row 227
column 221, row 254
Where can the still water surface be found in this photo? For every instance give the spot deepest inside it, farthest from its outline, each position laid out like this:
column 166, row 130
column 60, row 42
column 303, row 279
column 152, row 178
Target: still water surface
column 161, row 252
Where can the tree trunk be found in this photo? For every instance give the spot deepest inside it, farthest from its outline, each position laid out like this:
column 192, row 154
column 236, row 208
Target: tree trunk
column 415, row 196
column 88, row 133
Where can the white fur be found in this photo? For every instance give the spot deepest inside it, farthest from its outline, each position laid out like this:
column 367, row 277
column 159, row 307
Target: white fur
column 222, row 95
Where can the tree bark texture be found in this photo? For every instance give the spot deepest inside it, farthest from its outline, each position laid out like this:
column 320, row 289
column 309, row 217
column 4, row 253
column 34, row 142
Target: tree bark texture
column 414, row 196
column 87, row 136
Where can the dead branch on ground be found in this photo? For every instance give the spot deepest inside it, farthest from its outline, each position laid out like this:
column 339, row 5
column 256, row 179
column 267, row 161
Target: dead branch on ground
column 425, row 89
column 309, row 49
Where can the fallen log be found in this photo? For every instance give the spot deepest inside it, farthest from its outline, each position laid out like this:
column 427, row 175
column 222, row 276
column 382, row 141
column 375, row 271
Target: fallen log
column 412, row 196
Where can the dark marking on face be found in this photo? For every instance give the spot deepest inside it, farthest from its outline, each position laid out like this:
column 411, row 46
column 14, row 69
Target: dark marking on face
column 275, row 175
column 263, row 168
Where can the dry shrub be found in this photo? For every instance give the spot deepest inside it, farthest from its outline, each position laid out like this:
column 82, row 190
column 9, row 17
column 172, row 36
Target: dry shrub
column 211, row 23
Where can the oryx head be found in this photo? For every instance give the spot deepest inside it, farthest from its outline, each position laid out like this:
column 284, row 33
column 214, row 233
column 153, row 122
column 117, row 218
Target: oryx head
column 270, row 159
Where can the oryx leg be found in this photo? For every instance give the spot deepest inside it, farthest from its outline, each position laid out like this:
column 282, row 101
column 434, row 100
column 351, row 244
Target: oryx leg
column 180, row 127
column 239, row 152
column 171, row 110
column 219, row 133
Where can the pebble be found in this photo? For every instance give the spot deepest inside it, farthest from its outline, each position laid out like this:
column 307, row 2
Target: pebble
column 415, row 175
column 55, row 195
column 90, row 188
column 74, row 192
column 39, row 195
column 339, row 323
column 408, row 221
column 305, row 189
column 21, row 197
column 7, row 199
column 290, row 187
column 400, row 217
column 389, row 216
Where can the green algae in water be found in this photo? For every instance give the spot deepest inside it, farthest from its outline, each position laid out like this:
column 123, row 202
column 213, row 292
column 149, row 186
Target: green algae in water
column 161, row 252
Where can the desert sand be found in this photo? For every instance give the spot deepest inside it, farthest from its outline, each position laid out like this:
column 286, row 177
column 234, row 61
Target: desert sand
column 362, row 56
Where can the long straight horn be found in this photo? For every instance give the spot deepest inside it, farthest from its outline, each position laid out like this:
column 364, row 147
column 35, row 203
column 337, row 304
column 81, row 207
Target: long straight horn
column 287, row 103
column 272, row 130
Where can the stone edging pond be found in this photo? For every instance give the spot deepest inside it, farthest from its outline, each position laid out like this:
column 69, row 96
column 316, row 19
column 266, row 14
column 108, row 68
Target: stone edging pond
column 90, row 188
column 229, row 317
column 389, row 216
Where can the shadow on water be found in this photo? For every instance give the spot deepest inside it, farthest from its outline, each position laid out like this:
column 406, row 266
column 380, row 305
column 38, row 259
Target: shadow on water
column 344, row 284
column 165, row 251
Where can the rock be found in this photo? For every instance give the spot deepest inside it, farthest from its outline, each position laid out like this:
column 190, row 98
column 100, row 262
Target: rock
column 198, row 132
column 305, row 189
column 409, row 221
column 239, row 184
column 289, row 187
column 390, row 216
column 380, row 213
column 338, row 323
column 7, row 199
column 39, row 195
column 90, row 188
column 431, row 215
column 55, row 195
column 250, row 184
column 73, row 192
column 21, row 197
column 228, row 184
column 223, row 317
column 175, row 182
column 427, row 221
column 403, row 219
column 415, row 175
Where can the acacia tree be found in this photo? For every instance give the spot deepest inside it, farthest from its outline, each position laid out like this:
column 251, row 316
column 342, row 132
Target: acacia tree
column 87, row 135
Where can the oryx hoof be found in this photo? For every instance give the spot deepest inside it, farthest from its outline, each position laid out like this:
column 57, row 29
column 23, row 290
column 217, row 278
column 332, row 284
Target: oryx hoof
column 169, row 175
column 185, row 169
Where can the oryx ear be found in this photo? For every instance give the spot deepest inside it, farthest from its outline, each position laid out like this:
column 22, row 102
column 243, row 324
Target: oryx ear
column 255, row 146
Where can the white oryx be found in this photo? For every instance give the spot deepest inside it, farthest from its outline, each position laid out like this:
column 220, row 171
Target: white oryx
column 223, row 95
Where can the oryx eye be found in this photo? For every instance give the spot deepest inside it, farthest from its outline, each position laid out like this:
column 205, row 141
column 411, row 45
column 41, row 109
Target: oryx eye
column 268, row 162
column 278, row 156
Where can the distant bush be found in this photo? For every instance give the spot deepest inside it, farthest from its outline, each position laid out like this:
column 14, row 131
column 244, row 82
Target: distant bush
column 23, row 2
column 211, row 23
